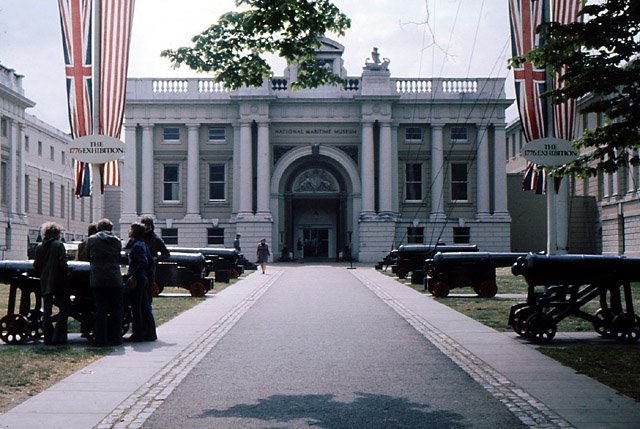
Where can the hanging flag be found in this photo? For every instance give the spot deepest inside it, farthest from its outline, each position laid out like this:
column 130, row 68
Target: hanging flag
column 116, row 22
column 534, row 180
column 564, row 114
column 75, row 21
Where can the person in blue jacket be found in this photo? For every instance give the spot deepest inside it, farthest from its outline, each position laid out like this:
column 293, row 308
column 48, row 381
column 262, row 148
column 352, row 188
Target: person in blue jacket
column 143, row 323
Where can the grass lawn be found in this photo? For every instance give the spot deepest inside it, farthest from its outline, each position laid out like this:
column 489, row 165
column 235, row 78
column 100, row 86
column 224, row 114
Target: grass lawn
column 612, row 363
column 28, row 369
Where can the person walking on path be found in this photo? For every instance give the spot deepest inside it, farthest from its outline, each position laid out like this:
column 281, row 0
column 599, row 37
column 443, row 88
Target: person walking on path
column 144, row 325
column 263, row 254
column 103, row 251
column 158, row 251
column 236, row 243
column 51, row 265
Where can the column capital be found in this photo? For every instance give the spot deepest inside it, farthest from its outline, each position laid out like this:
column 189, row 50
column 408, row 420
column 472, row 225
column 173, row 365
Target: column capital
column 130, row 126
column 147, row 126
column 192, row 125
column 437, row 126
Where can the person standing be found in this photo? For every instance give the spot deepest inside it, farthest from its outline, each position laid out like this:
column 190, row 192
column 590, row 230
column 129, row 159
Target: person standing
column 263, row 254
column 236, row 243
column 81, row 254
column 103, row 252
column 50, row 264
column 158, row 251
column 144, row 325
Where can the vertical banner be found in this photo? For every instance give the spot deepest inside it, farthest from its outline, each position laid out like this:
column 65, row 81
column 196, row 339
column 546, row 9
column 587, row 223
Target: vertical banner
column 525, row 16
column 116, row 23
column 75, row 21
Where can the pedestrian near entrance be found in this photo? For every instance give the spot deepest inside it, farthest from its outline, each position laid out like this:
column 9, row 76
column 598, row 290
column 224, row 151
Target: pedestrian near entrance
column 144, row 325
column 236, row 243
column 103, row 252
column 51, row 265
column 263, row 254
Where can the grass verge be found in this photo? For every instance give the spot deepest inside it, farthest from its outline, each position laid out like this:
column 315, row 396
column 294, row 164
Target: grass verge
column 33, row 367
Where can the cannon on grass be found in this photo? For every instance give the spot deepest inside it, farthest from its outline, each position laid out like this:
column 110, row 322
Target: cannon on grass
column 389, row 260
column 223, row 262
column 23, row 320
column 411, row 258
column 185, row 270
column 559, row 286
column 446, row 271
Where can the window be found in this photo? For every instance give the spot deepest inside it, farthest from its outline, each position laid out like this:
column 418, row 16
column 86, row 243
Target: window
column 5, row 127
column 459, row 134
column 459, row 180
column 413, row 135
column 52, row 153
column 26, row 143
column 62, row 201
column 169, row 235
column 217, row 134
column 39, row 196
column 413, row 182
column 171, row 183
column 63, row 158
column 216, row 182
column 72, row 198
column 4, row 192
column 52, row 202
column 461, row 235
column 415, row 235
column 26, row 193
column 39, row 148
column 171, row 134
column 215, row 235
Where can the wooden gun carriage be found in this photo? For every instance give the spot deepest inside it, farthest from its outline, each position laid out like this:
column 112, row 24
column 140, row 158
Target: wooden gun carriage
column 559, row 286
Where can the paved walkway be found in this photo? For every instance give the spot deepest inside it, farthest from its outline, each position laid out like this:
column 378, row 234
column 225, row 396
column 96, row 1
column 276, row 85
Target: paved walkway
column 258, row 354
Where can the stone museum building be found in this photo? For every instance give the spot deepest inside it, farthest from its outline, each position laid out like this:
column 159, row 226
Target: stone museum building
column 375, row 163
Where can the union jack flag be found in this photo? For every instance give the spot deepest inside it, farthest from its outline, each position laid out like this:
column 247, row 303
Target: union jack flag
column 116, row 23
column 75, row 20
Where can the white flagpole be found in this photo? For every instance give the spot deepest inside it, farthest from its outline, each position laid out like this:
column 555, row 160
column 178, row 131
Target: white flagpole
column 96, row 195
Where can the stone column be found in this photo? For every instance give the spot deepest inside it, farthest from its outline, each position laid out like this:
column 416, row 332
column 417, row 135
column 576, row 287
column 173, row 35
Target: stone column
column 499, row 171
column 385, row 164
column 236, row 169
column 193, row 171
column 367, row 169
column 395, row 188
column 246, row 169
column 147, row 170
column 437, row 172
column 13, row 166
column 21, row 171
column 129, row 176
column 482, row 165
column 264, row 171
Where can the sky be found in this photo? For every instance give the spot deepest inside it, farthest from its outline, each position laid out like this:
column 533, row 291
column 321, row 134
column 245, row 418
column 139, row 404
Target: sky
column 422, row 38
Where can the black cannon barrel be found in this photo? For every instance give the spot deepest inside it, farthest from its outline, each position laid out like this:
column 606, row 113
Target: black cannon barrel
column 206, row 251
column 495, row 259
column 11, row 269
column 184, row 258
column 576, row 269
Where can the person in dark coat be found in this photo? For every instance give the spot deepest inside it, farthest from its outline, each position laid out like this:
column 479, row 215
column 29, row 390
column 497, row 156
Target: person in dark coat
column 158, row 251
column 81, row 254
column 262, row 253
column 144, row 325
column 103, row 251
column 50, row 264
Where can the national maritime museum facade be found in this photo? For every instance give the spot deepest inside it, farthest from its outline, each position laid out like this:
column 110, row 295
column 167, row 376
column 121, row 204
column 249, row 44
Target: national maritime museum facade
column 375, row 163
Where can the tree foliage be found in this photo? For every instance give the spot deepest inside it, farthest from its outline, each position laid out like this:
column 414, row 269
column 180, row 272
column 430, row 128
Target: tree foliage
column 602, row 54
column 234, row 47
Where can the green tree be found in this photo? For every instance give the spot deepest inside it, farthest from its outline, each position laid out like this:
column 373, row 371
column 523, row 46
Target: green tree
column 602, row 58
column 233, row 49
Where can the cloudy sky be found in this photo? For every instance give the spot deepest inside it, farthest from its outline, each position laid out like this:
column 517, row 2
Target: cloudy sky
column 422, row 38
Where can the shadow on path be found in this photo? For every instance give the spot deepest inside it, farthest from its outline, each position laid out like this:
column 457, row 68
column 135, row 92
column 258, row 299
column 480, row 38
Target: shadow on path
column 324, row 411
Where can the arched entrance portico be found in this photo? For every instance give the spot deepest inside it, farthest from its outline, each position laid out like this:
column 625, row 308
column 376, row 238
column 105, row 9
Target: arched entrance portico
column 315, row 200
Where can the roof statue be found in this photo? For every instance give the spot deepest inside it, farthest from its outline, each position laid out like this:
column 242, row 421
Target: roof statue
column 375, row 63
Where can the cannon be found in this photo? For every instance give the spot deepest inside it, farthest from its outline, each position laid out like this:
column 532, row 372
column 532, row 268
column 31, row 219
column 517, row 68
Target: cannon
column 411, row 258
column 186, row 270
column 559, row 286
column 446, row 271
column 223, row 262
column 25, row 322
column 389, row 260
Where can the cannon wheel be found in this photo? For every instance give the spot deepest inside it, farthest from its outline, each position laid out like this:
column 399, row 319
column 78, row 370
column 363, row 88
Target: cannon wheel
column 487, row 289
column 602, row 322
column 540, row 327
column 520, row 319
column 14, row 329
column 35, row 324
column 626, row 327
column 197, row 289
column 440, row 290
